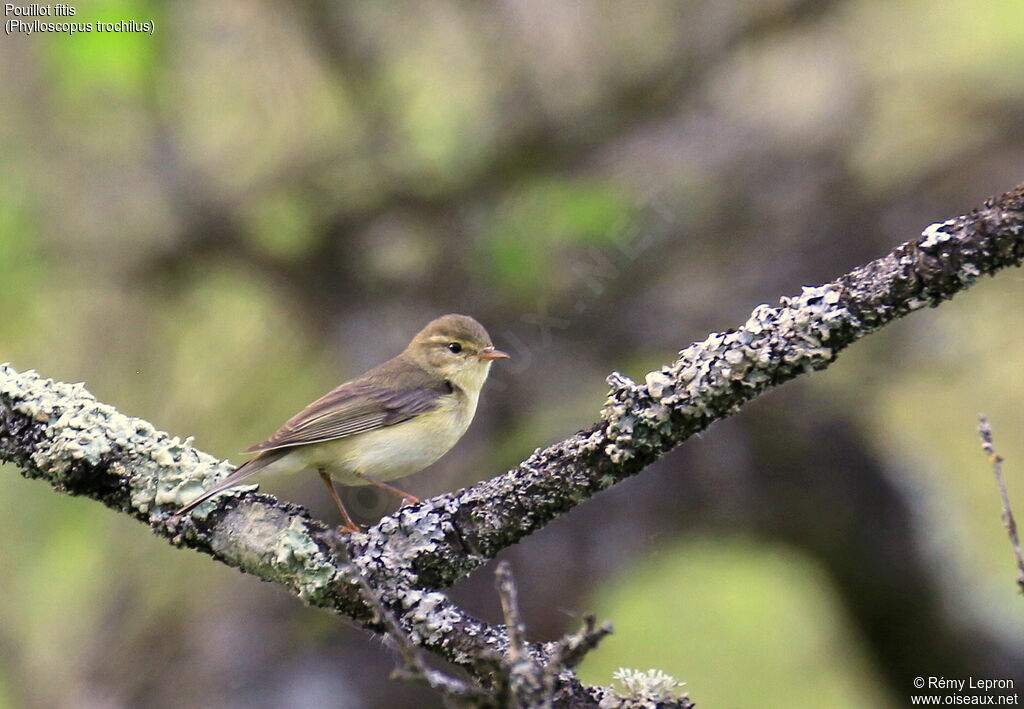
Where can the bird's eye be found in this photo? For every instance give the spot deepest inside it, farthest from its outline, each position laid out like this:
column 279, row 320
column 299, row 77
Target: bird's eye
column 454, row 347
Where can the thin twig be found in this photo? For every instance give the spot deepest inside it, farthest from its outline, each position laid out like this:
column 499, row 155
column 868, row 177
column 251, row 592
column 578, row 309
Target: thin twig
column 533, row 684
column 453, row 691
column 510, row 610
column 985, row 430
column 522, row 674
column 570, row 650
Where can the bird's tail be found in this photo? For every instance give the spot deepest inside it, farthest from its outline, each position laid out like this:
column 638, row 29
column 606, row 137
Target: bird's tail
column 241, row 473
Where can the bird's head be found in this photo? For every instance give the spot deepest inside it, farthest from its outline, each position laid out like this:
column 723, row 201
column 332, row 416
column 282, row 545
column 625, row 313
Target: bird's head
column 457, row 348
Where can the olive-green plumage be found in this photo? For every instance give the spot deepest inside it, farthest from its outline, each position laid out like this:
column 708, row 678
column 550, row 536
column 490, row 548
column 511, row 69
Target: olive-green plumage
column 392, row 421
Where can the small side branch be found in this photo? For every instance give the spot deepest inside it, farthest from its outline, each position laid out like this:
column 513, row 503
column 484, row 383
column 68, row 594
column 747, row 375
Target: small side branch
column 570, row 650
column 524, row 682
column 454, row 692
column 985, row 431
column 509, row 596
column 514, row 679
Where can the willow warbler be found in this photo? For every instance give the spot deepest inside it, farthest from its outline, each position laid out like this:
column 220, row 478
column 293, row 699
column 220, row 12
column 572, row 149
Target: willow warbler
column 392, row 421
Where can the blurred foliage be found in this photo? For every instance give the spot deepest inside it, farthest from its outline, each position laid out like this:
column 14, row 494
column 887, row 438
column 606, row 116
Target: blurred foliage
column 955, row 53
column 964, row 360
column 549, row 214
column 281, row 225
column 105, row 67
column 214, row 225
column 700, row 608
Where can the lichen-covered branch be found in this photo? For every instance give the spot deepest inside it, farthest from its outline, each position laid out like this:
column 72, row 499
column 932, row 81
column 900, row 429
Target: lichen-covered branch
column 60, row 433
column 710, row 380
column 517, row 680
column 455, row 692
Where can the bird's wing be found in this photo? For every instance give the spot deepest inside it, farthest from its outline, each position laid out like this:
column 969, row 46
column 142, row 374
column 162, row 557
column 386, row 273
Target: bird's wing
column 361, row 405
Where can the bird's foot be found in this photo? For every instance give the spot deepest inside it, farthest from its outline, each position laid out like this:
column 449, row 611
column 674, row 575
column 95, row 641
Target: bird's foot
column 410, row 500
column 349, row 529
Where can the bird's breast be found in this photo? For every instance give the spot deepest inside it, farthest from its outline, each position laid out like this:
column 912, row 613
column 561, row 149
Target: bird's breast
column 395, row 451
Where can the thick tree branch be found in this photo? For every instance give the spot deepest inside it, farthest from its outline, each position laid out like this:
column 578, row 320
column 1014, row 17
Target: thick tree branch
column 60, row 433
column 710, row 380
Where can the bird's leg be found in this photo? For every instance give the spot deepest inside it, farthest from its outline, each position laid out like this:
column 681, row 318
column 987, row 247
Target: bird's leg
column 350, row 526
column 406, row 497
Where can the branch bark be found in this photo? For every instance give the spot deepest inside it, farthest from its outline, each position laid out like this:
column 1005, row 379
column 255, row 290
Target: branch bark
column 59, row 432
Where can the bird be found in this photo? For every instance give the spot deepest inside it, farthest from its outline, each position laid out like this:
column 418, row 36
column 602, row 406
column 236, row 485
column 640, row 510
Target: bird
column 390, row 422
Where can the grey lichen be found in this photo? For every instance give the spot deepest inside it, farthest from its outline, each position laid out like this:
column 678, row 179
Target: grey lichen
column 710, row 378
column 82, row 445
column 80, row 432
column 397, row 541
column 276, row 546
column 936, row 234
column 429, row 615
column 653, row 689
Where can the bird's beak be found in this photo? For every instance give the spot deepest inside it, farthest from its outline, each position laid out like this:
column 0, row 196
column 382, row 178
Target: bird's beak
column 491, row 353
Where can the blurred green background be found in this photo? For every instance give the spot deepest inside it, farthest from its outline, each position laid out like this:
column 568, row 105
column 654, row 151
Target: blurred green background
column 213, row 225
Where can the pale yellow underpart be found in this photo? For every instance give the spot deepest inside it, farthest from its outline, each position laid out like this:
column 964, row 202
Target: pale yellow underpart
column 394, row 451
